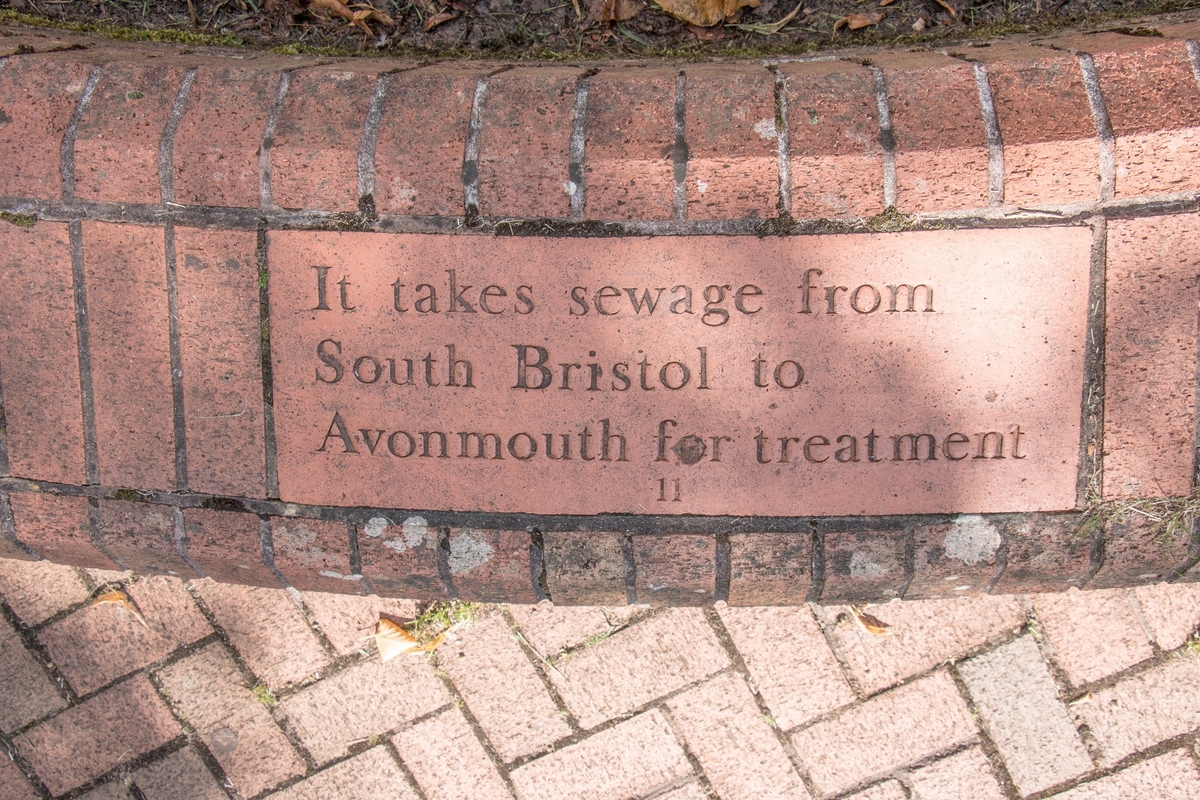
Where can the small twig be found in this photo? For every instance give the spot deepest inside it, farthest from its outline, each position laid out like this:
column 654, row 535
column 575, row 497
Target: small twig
column 541, row 657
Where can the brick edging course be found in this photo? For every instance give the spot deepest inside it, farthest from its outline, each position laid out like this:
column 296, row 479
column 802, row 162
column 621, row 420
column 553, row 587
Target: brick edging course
column 148, row 158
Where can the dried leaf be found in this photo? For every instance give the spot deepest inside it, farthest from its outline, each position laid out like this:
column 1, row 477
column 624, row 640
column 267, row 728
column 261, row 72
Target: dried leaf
column 119, row 598
column 704, row 13
column 884, row 3
column 392, row 640
column 920, row 24
column 614, row 10
column 856, row 21
column 868, row 623
column 769, row 28
column 438, row 19
column 333, row 7
column 948, row 7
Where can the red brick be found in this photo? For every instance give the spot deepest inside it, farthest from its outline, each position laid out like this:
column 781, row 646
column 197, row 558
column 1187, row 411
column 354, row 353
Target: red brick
column 348, row 622
column 269, row 631
column 40, row 354
column 37, row 591
column 26, row 691
column 330, row 715
column 88, row 740
column 502, row 689
column 181, row 774
column 422, row 136
column 1136, row 551
column 211, row 693
column 314, row 555
column 784, row 648
column 1185, row 30
column 941, row 142
column 400, row 560
column 630, row 139
column 40, row 94
column 1043, row 554
column 129, row 333
column 1051, row 148
column 862, row 566
column 220, row 135
column 491, row 566
column 1172, row 776
column 770, row 568
column 367, row 776
column 13, row 784
column 552, row 629
column 585, row 568
column 314, row 166
column 964, row 774
column 524, row 146
column 427, row 747
column 675, row 570
column 1150, row 356
column 1094, row 634
column 227, row 546
column 58, row 528
column 648, row 754
column 833, row 135
column 117, row 643
column 220, row 351
column 1172, row 612
column 142, row 537
column 733, row 153
column 954, row 558
column 116, row 143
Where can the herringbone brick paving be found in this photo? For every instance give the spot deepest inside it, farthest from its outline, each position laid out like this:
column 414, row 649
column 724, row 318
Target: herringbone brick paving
column 239, row 692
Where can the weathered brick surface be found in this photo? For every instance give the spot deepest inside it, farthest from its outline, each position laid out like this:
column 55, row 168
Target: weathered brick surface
column 116, row 143
column 784, row 648
column 1136, row 551
column 1172, row 776
column 268, row 630
column 126, row 274
column 400, row 560
column 769, row 568
column 1150, row 356
column 637, row 665
column 675, row 570
column 876, row 737
column 922, row 634
column 1020, row 708
column 1043, row 554
column 1094, row 633
column 367, row 776
column 348, row 621
column 219, row 348
column 13, row 784
column 314, row 555
column 41, row 383
column 181, row 774
column 38, row 590
column 647, row 751
column 142, row 537
column 1143, row 710
column 88, row 740
column 585, row 568
column 329, row 715
column 552, row 629
column 26, row 691
column 733, row 156
column 862, row 566
column 491, row 566
column 39, row 95
column 426, row 749
column 1171, row 611
column 723, row 727
column 958, row 558
column 227, row 546
column 57, row 527
column 502, row 689
column 209, row 690
column 965, row 774
column 630, row 136
column 112, row 790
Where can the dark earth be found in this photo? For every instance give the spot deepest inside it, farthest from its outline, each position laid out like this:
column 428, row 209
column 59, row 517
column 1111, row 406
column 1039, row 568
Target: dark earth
column 574, row 29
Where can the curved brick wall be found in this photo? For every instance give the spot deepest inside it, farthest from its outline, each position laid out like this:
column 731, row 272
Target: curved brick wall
column 138, row 302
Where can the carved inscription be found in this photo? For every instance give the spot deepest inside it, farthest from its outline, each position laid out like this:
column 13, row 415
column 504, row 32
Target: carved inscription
column 858, row 374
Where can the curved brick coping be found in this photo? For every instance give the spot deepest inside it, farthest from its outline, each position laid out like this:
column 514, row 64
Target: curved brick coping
column 139, row 381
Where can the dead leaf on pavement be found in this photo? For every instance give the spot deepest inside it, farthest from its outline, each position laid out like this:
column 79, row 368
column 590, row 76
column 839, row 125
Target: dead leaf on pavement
column 704, row 13
column 438, row 19
column 392, row 640
column 119, row 598
column 614, row 10
column 868, row 623
column 856, row 21
column 357, row 18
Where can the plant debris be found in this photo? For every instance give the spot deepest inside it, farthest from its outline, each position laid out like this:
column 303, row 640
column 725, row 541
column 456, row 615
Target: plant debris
column 117, row 597
column 870, row 624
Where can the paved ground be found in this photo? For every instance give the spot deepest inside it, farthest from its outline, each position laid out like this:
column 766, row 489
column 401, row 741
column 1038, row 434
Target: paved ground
column 233, row 691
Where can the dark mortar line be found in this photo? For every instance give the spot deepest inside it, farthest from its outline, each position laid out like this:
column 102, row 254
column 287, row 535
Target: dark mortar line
column 783, row 138
column 270, row 444
column 267, row 545
column 910, row 560
column 887, row 138
column 631, row 594
column 1091, row 427
column 995, row 139
column 724, row 568
column 990, row 751
column 369, row 139
column 471, row 145
column 537, row 566
column 679, row 149
column 8, row 528
column 355, row 555
column 265, row 198
column 83, row 343
column 8, row 748
column 194, row 739
column 817, row 586
column 443, row 562
column 1104, row 129
column 389, row 744
column 115, row 775
column 5, row 466
column 28, row 635
column 539, row 667
column 95, row 530
column 67, row 149
column 1001, row 565
column 698, row 772
column 826, row 625
column 578, row 147
column 180, row 540
column 1183, row 741
column 179, row 418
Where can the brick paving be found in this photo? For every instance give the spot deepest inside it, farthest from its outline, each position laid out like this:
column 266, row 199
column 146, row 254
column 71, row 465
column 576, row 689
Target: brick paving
column 239, row 692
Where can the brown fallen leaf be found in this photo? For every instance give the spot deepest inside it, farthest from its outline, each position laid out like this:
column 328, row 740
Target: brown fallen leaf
column 868, row 623
column 614, row 10
column 856, row 21
column 438, row 19
column 884, row 3
column 704, row 13
column 357, row 17
column 392, row 640
column 119, row 598
column 949, row 8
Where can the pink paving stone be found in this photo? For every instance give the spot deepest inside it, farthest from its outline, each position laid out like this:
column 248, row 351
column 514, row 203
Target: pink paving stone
column 13, row 784
column 213, row 695
column 181, row 774
column 142, row 537
column 335, row 712
column 648, row 753
column 1172, row 776
column 38, row 590
column 491, row 566
column 692, row 790
column 1021, row 710
column 92, row 738
column 348, row 621
column 675, row 570
column 40, row 95
column 26, row 691
column 314, row 555
column 98, row 644
column 219, row 348
column 784, row 650
column 57, row 527
column 879, row 735
column 888, row 790
column 116, row 143
column 737, row 749
column 1141, row 711
column 268, row 630
column 447, row 760
column 1150, row 356
column 114, row 789
column 923, row 634
column 962, row 775
column 638, row 665
column 502, row 689
column 552, row 629
column 367, row 776
column 126, row 276
column 40, row 354
column 1171, row 610
column 1093, row 633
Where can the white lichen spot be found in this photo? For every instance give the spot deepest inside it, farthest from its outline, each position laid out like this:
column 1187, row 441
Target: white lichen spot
column 972, row 539
column 765, row 128
column 570, row 188
column 328, row 573
column 865, row 567
column 701, row 186
column 414, row 530
column 468, row 550
column 376, row 526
